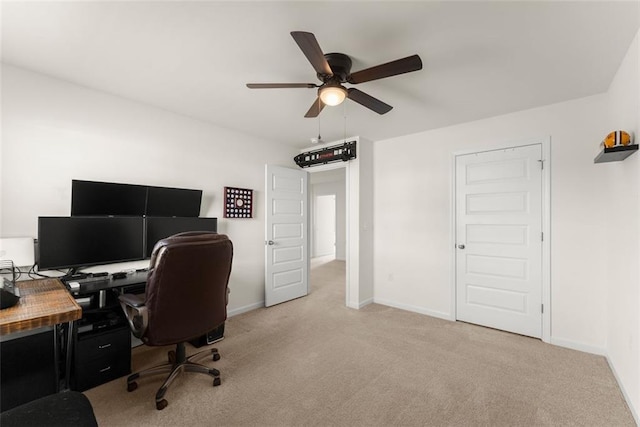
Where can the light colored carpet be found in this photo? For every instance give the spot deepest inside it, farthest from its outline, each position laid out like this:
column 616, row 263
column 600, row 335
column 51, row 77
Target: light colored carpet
column 313, row 361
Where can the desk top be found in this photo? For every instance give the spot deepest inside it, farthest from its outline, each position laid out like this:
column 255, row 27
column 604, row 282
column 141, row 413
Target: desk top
column 95, row 284
column 43, row 302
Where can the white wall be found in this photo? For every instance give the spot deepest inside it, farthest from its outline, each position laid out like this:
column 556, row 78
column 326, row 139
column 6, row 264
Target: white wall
column 332, row 182
column 595, row 220
column 622, row 228
column 366, row 220
column 53, row 132
column 412, row 265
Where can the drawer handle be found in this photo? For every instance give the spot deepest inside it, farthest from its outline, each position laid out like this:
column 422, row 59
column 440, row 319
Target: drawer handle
column 104, row 346
column 105, row 369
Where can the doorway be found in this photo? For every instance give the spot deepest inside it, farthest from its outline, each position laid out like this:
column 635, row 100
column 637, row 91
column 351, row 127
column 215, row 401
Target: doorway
column 328, row 221
column 324, row 226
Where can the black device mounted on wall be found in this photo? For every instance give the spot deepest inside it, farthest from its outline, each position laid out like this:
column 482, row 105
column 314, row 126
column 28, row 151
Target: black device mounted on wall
column 336, row 153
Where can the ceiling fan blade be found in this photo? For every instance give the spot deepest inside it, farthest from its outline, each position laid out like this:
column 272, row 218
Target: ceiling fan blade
column 315, row 109
column 368, row 101
column 393, row 68
column 311, row 49
column 280, row 85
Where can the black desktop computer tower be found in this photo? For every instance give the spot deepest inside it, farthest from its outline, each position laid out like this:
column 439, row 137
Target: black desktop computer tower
column 212, row 336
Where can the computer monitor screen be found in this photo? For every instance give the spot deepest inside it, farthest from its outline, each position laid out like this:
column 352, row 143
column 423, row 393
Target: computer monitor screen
column 159, row 228
column 107, row 198
column 162, row 201
column 72, row 242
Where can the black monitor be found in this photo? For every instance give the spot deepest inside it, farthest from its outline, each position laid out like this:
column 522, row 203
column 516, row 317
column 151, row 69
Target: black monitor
column 93, row 198
column 89, row 198
column 73, row 242
column 179, row 202
column 159, row 228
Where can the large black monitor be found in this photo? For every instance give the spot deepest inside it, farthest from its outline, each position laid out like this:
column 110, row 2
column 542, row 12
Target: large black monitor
column 162, row 201
column 91, row 198
column 73, row 242
column 94, row 198
column 159, row 228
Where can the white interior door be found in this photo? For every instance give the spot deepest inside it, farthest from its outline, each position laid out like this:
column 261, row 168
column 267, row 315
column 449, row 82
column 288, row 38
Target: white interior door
column 499, row 239
column 324, row 220
column 286, row 234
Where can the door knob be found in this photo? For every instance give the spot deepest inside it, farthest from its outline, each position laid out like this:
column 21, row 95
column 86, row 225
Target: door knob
column 460, row 246
column 270, row 242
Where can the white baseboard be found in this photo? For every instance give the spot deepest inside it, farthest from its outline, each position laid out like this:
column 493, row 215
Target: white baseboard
column 365, row 302
column 578, row 346
column 413, row 308
column 246, row 308
column 624, row 392
column 600, row 352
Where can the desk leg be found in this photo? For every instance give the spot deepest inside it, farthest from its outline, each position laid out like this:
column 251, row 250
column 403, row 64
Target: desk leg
column 68, row 355
column 56, row 355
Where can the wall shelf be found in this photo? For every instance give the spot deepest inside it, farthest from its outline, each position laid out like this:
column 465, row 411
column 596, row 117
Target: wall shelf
column 615, row 154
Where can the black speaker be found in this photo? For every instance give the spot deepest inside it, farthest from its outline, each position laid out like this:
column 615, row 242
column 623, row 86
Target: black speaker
column 210, row 337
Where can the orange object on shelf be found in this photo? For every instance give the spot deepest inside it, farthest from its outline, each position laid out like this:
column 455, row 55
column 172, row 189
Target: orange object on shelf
column 616, row 139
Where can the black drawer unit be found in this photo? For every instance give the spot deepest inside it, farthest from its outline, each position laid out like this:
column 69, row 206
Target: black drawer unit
column 100, row 357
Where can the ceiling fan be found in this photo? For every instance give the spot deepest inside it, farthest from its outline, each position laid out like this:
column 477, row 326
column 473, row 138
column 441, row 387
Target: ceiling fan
column 334, row 69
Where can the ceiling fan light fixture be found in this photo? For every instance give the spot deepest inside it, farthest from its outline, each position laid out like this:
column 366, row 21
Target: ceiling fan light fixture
column 332, row 95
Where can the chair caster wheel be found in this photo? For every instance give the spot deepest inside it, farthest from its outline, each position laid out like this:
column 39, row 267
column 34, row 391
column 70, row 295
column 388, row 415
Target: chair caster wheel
column 216, row 357
column 161, row 404
column 216, row 382
column 132, row 386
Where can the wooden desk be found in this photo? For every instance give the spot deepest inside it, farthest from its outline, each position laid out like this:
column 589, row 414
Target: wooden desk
column 43, row 302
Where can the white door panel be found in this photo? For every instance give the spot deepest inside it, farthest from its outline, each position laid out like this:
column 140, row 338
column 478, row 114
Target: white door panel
column 497, row 234
column 286, row 240
column 498, row 237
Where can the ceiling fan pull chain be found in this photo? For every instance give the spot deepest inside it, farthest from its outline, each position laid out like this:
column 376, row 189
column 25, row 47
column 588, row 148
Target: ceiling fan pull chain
column 319, row 136
column 345, row 122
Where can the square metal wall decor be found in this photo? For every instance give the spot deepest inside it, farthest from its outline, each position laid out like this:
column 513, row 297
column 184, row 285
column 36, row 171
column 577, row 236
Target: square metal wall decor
column 238, row 202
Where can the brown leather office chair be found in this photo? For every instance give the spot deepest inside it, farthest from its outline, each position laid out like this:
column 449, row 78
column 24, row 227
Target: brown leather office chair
column 186, row 297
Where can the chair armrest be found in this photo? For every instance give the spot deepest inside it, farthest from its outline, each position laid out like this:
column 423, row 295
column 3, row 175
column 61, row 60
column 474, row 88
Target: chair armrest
column 134, row 300
column 136, row 313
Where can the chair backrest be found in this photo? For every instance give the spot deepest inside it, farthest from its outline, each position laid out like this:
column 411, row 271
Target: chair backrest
column 186, row 294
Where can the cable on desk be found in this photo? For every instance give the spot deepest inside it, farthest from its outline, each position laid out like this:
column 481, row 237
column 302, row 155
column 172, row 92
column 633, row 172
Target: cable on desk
column 9, row 268
column 32, row 272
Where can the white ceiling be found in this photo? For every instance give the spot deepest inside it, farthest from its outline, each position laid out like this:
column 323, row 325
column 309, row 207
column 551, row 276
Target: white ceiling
column 480, row 58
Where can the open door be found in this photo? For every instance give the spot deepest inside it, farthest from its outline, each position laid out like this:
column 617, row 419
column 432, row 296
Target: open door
column 286, row 234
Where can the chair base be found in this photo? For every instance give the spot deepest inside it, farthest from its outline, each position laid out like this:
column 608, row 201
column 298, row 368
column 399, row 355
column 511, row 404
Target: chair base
column 178, row 363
